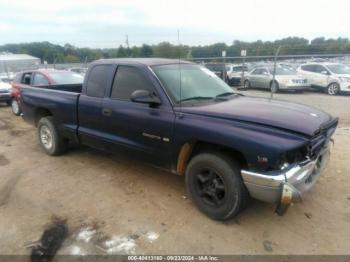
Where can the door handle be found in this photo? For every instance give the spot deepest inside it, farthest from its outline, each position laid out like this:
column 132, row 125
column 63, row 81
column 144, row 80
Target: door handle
column 106, row 112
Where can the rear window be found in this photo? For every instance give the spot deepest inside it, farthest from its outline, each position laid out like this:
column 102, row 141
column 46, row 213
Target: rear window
column 66, row 78
column 98, row 80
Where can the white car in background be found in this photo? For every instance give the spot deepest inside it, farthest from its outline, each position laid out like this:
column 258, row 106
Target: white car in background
column 235, row 74
column 5, row 92
column 330, row 77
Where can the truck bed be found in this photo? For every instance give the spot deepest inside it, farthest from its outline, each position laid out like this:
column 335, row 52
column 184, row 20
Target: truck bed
column 61, row 104
column 75, row 88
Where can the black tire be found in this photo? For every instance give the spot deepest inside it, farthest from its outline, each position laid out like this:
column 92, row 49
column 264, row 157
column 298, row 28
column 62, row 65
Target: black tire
column 8, row 102
column 16, row 109
column 246, row 84
column 333, row 89
column 50, row 139
column 274, row 86
column 222, row 174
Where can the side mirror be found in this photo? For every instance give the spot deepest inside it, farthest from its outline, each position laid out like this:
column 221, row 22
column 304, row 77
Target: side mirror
column 144, row 97
column 324, row 72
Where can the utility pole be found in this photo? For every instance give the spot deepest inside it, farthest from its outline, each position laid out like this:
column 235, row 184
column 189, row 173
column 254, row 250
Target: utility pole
column 273, row 85
column 243, row 55
column 223, row 53
column 127, row 45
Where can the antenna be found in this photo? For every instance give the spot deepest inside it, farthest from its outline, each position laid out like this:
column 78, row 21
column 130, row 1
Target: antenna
column 274, row 72
column 180, row 84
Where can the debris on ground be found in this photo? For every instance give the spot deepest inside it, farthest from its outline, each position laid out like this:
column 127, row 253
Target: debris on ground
column 308, row 215
column 50, row 241
column 268, row 245
column 152, row 236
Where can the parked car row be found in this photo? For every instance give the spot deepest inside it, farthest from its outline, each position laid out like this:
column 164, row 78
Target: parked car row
column 332, row 78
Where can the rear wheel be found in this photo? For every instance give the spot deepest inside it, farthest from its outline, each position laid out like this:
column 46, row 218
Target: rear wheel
column 333, row 89
column 50, row 139
column 213, row 180
column 16, row 110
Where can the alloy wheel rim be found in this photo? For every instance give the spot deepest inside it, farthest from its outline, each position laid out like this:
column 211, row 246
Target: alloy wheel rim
column 46, row 137
column 332, row 89
column 210, row 187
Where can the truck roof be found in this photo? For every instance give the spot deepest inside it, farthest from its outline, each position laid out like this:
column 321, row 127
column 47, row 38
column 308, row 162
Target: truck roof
column 143, row 61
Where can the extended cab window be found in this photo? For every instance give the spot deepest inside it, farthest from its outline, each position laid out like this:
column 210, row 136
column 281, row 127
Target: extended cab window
column 40, row 80
column 98, row 80
column 127, row 80
column 26, row 78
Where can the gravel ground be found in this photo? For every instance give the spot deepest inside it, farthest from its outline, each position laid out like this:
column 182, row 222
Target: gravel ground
column 115, row 204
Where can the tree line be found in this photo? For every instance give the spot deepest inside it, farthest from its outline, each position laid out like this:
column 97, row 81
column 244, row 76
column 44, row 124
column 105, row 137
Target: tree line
column 68, row 53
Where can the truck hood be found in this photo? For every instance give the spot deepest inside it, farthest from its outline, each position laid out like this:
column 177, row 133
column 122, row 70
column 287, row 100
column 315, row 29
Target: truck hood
column 274, row 113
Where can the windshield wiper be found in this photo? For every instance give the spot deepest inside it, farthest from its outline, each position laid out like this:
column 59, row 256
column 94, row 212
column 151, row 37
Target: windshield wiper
column 226, row 94
column 196, row 98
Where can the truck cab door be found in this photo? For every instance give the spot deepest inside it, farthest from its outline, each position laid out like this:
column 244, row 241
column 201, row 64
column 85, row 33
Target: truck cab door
column 144, row 128
column 90, row 116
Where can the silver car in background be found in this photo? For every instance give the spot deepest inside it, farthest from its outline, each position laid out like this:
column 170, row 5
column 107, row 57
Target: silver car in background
column 285, row 79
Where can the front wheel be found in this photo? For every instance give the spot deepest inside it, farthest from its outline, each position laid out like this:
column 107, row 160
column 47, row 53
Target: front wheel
column 16, row 110
column 333, row 89
column 50, row 139
column 213, row 180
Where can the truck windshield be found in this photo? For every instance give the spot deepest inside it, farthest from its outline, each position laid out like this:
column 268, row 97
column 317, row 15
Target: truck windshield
column 196, row 82
column 66, row 78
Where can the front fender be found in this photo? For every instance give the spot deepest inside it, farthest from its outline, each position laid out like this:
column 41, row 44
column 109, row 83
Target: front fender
column 260, row 145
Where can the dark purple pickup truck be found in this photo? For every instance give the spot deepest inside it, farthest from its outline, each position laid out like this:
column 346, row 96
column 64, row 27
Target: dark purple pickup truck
column 181, row 117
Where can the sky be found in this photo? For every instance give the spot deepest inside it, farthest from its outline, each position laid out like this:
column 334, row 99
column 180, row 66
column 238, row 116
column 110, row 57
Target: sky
column 105, row 23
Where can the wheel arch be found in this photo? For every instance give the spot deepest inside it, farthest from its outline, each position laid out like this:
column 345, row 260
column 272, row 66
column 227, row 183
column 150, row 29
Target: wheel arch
column 192, row 148
column 40, row 113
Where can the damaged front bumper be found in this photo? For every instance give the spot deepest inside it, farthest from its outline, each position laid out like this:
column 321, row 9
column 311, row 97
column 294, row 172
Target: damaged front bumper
column 287, row 185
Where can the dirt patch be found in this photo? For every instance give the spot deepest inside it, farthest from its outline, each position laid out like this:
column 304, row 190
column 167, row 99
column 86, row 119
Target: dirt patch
column 7, row 124
column 14, row 132
column 268, row 246
column 6, row 190
column 4, row 161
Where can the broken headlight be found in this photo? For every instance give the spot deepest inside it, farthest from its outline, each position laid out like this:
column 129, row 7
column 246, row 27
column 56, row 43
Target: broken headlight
column 292, row 157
